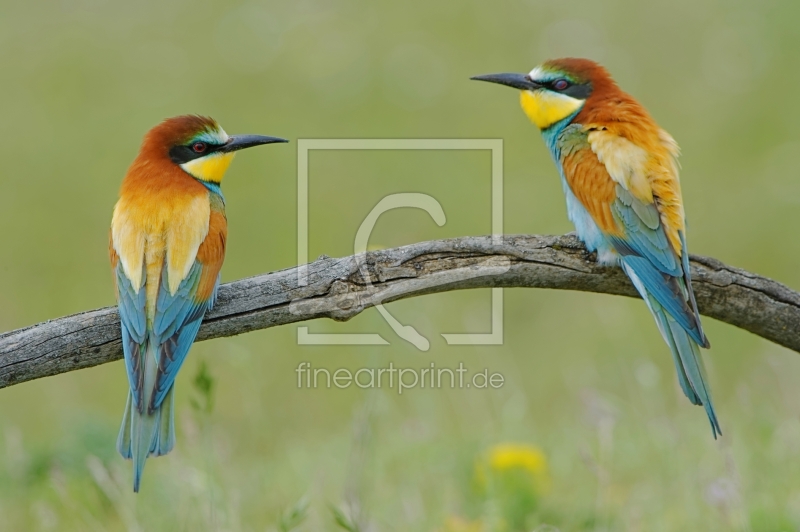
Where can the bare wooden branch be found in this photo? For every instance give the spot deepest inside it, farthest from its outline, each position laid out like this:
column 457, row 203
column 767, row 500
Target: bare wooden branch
column 337, row 289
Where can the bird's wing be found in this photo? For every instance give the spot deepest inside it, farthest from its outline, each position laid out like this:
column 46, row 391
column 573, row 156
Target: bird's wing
column 178, row 315
column 633, row 196
column 131, row 302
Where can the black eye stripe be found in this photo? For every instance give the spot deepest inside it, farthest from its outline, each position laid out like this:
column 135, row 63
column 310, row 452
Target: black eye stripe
column 184, row 153
column 580, row 91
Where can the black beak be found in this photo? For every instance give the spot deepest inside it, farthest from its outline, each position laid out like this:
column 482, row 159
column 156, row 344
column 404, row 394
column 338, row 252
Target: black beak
column 240, row 142
column 518, row 81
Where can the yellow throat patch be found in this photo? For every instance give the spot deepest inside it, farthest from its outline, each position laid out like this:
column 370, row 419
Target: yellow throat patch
column 545, row 108
column 210, row 168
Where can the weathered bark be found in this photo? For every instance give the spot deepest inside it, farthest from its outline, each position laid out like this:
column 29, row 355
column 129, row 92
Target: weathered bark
column 336, row 289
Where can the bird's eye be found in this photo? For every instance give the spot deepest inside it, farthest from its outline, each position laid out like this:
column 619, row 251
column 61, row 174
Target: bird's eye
column 199, row 147
column 560, row 84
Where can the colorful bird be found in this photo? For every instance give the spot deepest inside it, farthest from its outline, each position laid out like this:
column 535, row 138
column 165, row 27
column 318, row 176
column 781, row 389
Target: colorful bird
column 619, row 172
column 167, row 245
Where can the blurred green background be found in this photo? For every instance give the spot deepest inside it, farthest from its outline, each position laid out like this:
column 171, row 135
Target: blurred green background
column 589, row 383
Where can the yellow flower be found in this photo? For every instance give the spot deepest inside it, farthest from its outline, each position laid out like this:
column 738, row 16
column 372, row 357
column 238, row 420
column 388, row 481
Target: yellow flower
column 507, row 456
column 510, row 479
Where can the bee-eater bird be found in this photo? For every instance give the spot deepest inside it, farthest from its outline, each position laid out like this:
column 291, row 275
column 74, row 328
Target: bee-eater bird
column 167, row 245
column 619, row 172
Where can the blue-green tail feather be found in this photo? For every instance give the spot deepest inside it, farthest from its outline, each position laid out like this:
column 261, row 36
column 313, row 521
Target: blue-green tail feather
column 124, row 437
column 666, row 331
column 692, row 361
column 155, row 347
column 143, row 434
column 685, row 353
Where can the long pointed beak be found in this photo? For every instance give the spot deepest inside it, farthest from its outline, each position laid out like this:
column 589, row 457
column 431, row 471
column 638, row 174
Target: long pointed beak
column 518, row 81
column 240, row 142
